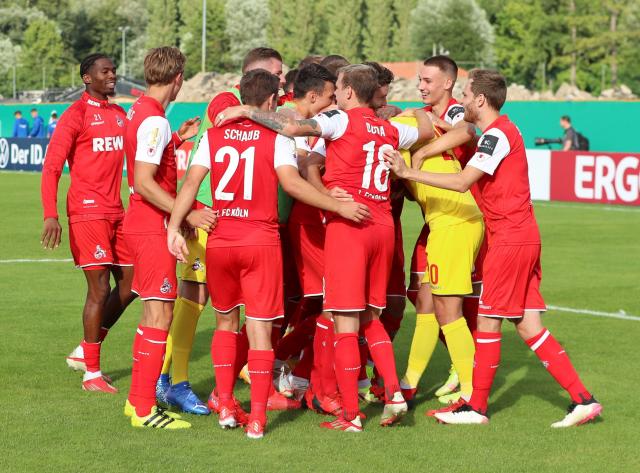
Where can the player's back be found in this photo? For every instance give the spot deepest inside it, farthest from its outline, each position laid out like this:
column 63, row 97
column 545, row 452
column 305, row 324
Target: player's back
column 244, row 183
column 148, row 139
column 355, row 161
column 506, row 195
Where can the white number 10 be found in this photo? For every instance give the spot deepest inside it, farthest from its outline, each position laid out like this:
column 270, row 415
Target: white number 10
column 381, row 173
column 234, row 159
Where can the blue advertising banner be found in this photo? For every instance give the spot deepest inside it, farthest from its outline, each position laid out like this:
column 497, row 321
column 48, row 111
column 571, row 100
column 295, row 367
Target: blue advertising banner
column 22, row 154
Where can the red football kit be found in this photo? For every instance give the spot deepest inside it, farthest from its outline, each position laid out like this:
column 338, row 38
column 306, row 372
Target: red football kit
column 306, row 227
column 89, row 136
column 358, row 256
column 148, row 139
column 245, row 244
column 512, row 271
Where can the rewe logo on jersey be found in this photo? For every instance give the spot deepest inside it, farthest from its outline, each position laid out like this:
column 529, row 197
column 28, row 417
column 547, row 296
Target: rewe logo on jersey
column 108, row 143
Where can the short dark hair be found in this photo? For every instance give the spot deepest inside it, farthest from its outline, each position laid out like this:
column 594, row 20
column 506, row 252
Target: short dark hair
column 163, row 64
column 333, row 62
column 566, row 118
column 257, row 85
column 54, row 115
column 88, row 62
column 491, row 84
column 289, row 79
column 445, row 64
column 385, row 75
column 17, row 112
column 311, row 77
column 362, row 79
column 310, row 59
column 259, row 54
column 34, row 110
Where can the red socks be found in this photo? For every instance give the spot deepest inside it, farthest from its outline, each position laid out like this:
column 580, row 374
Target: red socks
column 260, row 371
column 223, row 355
column 150, row 355
column 242, row 351
column 305, row 365
column 381, row 351
column 293, row 343
column 91, row 356
column 486, row 362
column 327, row 358
column 557, row 363
column 135, row 369
column 347, row 366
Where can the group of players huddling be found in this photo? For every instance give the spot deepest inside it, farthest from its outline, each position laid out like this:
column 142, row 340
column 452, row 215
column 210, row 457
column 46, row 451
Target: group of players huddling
column 305, row 233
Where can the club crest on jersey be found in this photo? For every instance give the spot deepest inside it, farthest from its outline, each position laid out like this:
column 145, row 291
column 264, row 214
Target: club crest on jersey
column 100, row 252
column 130, row 113
column 120, row 122
column 166, row 286
column 197, row 265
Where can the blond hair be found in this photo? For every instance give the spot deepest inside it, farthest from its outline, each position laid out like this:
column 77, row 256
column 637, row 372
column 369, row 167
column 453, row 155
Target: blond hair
column 163, row 64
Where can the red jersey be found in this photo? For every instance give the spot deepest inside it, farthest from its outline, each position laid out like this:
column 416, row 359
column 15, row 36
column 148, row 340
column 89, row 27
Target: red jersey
column 148, row 139
column 301, row 213
column 89, row 136
column 242, row 158
column 504, row 189
column 356, row 140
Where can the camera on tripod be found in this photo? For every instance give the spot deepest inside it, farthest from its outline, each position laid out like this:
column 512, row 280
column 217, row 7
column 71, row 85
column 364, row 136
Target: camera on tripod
column 547, row 141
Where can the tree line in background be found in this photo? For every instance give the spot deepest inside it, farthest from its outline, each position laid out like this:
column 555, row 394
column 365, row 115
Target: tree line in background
column 537, row 43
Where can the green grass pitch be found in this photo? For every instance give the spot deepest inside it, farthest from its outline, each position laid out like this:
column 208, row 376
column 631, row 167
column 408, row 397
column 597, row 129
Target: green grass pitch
column 591, row 260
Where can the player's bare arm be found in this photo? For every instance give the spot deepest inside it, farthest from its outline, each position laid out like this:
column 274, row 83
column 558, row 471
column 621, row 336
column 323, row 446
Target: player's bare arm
column 459, row 182
column 425, row 126
column 51, row 233
column 276, row 121
column 457, row 136
column 301, row 190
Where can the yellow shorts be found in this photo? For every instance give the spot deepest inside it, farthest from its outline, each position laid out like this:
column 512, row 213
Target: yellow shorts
column 451, row 253
column 195, row 269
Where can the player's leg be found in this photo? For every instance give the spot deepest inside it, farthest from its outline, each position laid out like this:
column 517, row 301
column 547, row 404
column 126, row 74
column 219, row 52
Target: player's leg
column 459, row 341
column 423, row 343
column 260, row 362
column 97, row 292
column 553, row 356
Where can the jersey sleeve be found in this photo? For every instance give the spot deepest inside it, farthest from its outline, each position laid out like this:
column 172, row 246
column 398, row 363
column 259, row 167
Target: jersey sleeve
column 455, row 114
column 220, row 102
column 302, row 143
column 407, row 135
column 320, row 147
column 154, row 134
column 201, row 157
column 493, row 147
column 60, row 148
column 284, row 153
column 333, row 124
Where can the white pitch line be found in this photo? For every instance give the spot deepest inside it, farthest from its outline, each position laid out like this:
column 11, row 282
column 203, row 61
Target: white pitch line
column 43, row 260
column 611, row 315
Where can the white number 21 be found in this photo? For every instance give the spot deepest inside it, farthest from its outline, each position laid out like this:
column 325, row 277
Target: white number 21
column 234, row 159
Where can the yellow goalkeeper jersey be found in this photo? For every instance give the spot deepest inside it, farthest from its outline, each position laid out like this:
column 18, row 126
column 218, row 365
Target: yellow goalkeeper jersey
column 441, row 207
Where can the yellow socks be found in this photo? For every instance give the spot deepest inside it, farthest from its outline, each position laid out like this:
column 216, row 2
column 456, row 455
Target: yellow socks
column 180, row 341
column 425, row 338
column 461, row 350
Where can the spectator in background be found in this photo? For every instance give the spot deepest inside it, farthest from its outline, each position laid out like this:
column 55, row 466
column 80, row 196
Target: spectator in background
column 20, row 126
column 570, row 139
column 37, row 127
column 53, row 121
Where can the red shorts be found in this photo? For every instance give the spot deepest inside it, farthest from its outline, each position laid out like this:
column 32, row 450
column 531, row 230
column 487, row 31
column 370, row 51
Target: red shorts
column 249, row 276
column 307, row 243
column 154, row 268
column 357, row 264
column 419, row 256
column 96, row 244
column 397, row 280
column 511, row 285
column 289, row 271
